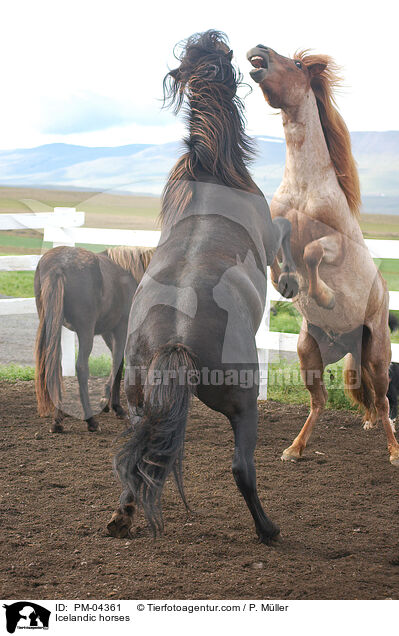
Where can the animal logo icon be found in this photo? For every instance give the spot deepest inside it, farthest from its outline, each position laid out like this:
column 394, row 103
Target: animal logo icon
column 27, row 615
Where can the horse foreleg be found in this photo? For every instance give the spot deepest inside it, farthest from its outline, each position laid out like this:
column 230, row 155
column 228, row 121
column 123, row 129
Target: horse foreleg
column 312, row 369
column 275, row 272
column 286, row 277
column 245, row 430
column 119, row 339
column 116, row 393
column 107, row 337
column 328, row 249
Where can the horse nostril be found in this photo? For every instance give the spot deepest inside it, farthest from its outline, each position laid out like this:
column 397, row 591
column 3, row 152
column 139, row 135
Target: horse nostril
column 260, row 46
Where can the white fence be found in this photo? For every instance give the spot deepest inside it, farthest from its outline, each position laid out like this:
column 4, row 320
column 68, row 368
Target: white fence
column 63, row 227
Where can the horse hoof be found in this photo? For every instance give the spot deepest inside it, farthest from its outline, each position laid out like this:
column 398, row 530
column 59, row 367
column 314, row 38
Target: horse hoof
column 393, row 427
column 368, row 425
column 56, row 428
column 327, row 299
column 119, row 526
column 394, row 457
column 104, row 405
column 270, row 538
column 92, row 425
column 291, row 454
column 288, row 285
column 119, row 412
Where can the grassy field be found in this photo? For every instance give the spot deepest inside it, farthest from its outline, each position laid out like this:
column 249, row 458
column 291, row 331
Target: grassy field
column 104, row 209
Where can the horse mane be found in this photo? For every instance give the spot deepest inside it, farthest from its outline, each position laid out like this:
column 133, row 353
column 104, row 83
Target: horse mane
column 135, row 260
column 217, row 147
column 335, row 131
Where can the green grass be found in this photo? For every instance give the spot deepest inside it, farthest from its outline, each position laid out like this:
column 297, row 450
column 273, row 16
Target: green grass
column 21, row 239
column 100, row 367
column 286, row 320
column 389, row 269
column 285, row 385
column 11, row 243
column 18, row 284
column 13, row 372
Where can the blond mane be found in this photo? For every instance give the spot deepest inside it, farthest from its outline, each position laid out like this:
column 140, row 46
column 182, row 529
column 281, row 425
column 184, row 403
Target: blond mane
column 135, row 260
column 335, row 131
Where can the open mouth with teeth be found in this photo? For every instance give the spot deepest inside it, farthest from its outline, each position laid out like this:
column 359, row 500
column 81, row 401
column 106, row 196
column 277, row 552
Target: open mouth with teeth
column 257, row 61
column 260, row 61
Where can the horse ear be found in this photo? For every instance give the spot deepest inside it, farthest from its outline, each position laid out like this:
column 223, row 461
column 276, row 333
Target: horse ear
column 230, row 55
column 174, row 73
column 316, row 69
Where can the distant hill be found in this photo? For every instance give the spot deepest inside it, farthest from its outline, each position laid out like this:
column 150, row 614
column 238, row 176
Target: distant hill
column 143, row 168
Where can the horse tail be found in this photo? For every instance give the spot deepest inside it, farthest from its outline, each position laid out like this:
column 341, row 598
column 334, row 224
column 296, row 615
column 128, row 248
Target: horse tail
column 359, row 386
column 157, row 442
column 49, row 293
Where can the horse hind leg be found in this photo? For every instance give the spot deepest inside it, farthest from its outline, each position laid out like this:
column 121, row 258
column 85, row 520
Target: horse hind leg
column 56, row 425
column 245, row 429
column 382, row 408
column 82, row 371
column 376, row 353
column 392, row 394
column 312, row 368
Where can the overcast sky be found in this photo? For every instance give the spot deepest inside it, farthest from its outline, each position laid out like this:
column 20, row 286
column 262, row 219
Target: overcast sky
column 91, row 73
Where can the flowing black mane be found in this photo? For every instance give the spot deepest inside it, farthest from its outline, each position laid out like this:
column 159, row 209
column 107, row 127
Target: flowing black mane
column 217, row 146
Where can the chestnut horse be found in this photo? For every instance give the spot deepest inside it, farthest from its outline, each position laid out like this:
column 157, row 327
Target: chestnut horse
column 196, row 312
column 90, row 294
column 342, row 297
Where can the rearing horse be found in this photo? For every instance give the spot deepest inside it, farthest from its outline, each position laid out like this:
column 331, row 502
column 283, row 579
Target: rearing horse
column 342, row 297
column 196, row 312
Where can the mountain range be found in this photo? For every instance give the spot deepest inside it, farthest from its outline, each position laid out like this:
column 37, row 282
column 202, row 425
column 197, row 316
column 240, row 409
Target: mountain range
column 143, row 168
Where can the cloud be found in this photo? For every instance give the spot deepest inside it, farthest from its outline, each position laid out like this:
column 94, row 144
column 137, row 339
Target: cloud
column 89, row 112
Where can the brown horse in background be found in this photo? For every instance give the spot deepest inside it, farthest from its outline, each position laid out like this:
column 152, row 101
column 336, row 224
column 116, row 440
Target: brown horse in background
column 90, row 294
column 342, row 297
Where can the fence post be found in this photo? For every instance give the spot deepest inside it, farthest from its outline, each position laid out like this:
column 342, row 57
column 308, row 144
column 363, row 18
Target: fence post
column 263, row 354
column 67, row 336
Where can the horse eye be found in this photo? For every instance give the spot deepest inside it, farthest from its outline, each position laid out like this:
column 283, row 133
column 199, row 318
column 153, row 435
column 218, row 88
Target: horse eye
column 298, row 64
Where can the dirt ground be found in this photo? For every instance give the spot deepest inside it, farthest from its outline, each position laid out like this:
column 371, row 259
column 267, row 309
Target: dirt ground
column 338, row 510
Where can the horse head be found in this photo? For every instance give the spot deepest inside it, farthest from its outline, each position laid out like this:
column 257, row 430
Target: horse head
column 285, row 81
column 205, row 63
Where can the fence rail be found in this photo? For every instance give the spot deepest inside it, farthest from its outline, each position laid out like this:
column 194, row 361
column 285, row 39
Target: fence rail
column 63, row 227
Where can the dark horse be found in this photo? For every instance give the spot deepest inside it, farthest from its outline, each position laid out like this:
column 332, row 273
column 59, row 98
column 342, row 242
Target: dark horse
column 90, row 294
column 195, row 314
